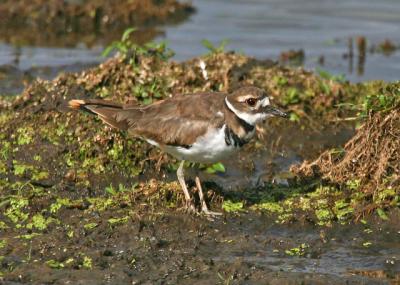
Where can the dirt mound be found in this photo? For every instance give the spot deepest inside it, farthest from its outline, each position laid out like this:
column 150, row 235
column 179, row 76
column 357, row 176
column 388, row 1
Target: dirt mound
column 70, row 22
column 81, row 201
column 371, row 159
column 78, row 157
column 150, row 78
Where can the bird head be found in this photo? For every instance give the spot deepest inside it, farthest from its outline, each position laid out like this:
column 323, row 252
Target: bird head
column 252, row 105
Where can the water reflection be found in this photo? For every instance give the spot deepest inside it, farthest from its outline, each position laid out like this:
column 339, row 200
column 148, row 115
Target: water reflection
column 265, row 28
column 357, row 38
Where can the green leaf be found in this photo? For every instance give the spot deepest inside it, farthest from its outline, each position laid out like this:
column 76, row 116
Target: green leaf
column 208, row 45
column 110, row 190
column 367, row 244
column 87, row 262
column 294, row 117
column 90, row 226
column 127, row 33
column 106, row 52
column 114, row 221
column 54, row 264
column 381, row 213
column 230, row 206
column 217, row 167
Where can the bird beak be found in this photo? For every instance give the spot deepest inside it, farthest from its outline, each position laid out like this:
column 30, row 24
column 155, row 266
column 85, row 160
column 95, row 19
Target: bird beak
column 273, row 111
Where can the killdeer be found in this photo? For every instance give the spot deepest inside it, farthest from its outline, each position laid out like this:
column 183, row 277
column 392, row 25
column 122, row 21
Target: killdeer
column 200, row 127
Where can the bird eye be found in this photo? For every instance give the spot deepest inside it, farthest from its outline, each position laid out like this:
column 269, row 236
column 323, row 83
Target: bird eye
column 251, row 102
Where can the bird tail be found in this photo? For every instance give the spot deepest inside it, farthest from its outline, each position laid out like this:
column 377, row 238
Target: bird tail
column 109, row 112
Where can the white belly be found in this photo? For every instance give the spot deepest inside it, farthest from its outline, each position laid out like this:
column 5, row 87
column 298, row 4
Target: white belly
column 209, row 148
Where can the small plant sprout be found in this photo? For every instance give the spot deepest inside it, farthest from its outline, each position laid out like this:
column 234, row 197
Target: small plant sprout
column 129, row 50
column 213, row 49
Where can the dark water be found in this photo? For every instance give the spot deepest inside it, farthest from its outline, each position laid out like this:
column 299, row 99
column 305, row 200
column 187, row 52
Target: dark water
column 337, row 252
column 20, row 65
column 261, row 28
column 264, row 28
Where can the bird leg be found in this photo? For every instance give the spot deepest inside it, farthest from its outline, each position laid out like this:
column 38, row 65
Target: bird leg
column 204, row 208
column 189, row 202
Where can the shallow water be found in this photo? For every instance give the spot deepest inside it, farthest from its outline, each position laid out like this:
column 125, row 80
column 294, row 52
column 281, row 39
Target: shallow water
column 338, row 253
column 264, row 28
column 270, row 159
column 245, row 249
column 20, row 65
column 261, row 28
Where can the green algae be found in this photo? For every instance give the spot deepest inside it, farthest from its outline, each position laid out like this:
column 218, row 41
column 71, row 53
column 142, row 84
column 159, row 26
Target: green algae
column 323, row 206
column 24, row 135
column 90, row 226
column 40, row 223
column 117, row 221
column 232, row 207
column 66, row 173
column 301, row 250
column 270, row 207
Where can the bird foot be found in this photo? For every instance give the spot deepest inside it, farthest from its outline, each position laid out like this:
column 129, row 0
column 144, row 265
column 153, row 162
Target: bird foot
column 190, row 207
column 205, row 211
column 210, row 213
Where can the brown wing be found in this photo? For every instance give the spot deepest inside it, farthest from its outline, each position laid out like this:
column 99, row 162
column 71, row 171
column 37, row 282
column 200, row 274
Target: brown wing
column 176, row 121
column 179, row 120
column 106, row 110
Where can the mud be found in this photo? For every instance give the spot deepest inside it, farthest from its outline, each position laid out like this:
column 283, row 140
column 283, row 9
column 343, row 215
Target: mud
column 83, row 203
column 68, row 23
column 371, row 158
column 171, row 248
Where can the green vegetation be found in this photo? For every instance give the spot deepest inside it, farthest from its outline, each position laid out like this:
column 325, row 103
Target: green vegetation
column 66, row 177
column 130, row 51
column 387, row 98
column 214, row 49
column 116, row 221
column 230, row 206
column 216, row 167
column 301, row 250
column 121, row 188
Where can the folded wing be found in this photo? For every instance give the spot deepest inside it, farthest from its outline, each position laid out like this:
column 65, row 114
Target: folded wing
column 176, row 121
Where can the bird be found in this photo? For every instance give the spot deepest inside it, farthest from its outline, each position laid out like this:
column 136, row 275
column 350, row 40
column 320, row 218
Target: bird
column 202, row 127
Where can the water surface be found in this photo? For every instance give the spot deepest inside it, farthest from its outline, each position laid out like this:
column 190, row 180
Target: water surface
column 265, row 28
column 260, row 28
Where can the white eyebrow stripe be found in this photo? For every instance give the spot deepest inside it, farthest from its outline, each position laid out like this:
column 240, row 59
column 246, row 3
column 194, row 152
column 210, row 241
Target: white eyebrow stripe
column 244, row 98
column 265, row 102
column 260, row 103
column 251, row 119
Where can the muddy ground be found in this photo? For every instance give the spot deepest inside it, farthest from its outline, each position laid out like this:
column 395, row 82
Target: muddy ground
column 68, row 23
column 83, row 204
column 173, row 248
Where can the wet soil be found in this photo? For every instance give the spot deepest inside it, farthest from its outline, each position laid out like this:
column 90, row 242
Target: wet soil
column 83, row 203
column 371, row 158
column 171, row 248
column 270, row 159
column 68, row 23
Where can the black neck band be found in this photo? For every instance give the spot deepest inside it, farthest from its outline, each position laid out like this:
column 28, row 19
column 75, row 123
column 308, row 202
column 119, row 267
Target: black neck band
column 247, row 127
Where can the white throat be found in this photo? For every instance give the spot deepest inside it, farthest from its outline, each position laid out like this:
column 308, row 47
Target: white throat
column 251, row 119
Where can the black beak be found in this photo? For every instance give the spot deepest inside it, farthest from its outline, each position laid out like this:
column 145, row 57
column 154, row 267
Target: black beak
column 271, row 110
